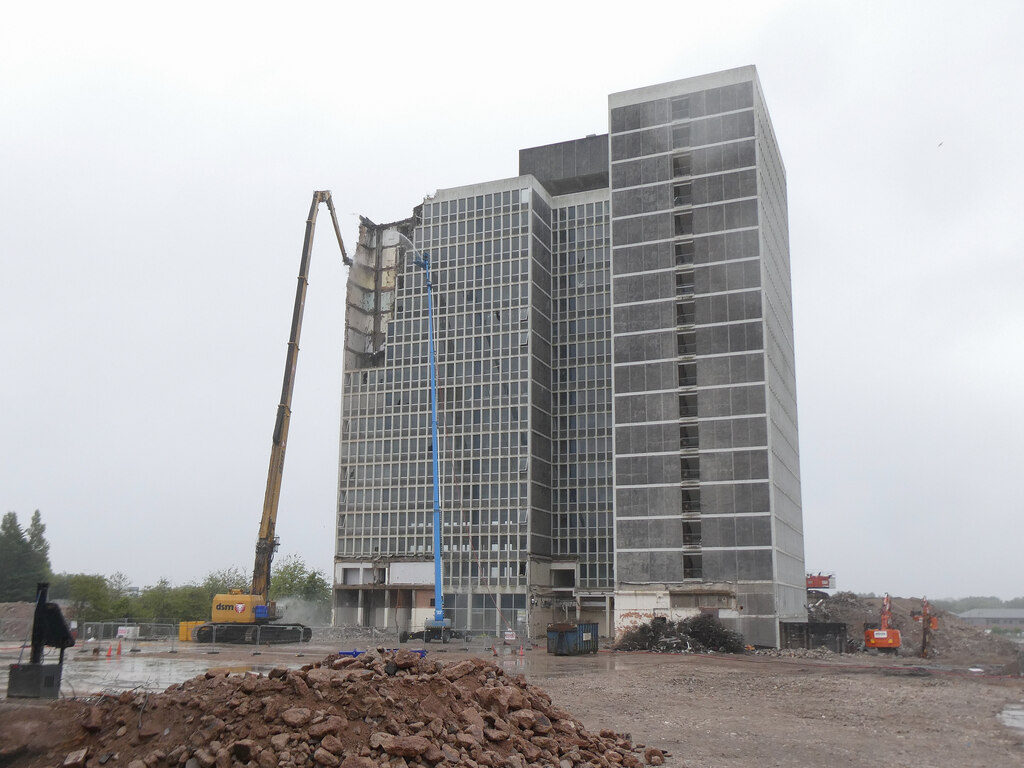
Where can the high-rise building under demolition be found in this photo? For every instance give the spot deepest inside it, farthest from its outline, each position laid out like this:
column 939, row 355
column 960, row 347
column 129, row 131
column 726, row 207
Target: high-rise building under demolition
column 615, row 384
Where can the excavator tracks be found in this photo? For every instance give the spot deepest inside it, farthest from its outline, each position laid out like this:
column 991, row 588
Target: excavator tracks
column 252, row 634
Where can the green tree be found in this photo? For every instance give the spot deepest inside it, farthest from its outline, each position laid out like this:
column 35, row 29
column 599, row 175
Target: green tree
column 60, row 586
column 291, row 578
column 89, row 597
column 123, row 603
column 157, row 601
column 302, row 594
column 190, row 602
column 223, row 581
column 23, row 559
column 39, row 545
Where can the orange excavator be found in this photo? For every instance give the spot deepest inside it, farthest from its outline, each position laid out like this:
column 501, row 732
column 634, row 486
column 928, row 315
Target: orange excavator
column 929, row 623
column 885, row 638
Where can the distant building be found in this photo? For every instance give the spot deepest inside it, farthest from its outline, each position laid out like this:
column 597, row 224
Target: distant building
column 616, row 384
column 993, row 618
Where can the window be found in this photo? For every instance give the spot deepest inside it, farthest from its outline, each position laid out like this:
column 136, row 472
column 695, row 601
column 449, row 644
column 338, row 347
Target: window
column 690, row 501
column 691, row 533
column 681, row 165
column 683, row 223
column 685, row 313
column 686, row 343
column 687, row 374
column 680, row 107
column 688, row 406
column 689, row 468
column 680, row 136
column 682, row 194
column 688, row 437
column 692, row 567
column 684, row 252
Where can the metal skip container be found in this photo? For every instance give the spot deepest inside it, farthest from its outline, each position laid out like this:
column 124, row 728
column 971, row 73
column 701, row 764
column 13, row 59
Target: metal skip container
column 572, row 639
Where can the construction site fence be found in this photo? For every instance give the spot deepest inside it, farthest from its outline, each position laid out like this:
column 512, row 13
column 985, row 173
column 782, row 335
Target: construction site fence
column 374, row 636
column 131, row 635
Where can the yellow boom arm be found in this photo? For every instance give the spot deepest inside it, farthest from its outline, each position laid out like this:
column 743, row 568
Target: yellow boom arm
column 267, row 542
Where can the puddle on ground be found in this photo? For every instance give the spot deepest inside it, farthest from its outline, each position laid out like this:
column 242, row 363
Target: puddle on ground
column 85, row 674
column 161, row 666
column 1012, row 716
column 88, row 676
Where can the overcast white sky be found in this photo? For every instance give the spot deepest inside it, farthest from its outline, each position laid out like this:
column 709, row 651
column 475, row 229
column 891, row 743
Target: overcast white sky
column 157, row 164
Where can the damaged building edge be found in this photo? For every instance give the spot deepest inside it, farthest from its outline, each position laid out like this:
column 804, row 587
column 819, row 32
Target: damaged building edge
column 616, row 386
column 372, row 281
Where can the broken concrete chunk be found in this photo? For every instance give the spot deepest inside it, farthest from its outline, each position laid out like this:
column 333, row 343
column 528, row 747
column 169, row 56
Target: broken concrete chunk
column 332, row 725
column 323, row 757
column 296, row 716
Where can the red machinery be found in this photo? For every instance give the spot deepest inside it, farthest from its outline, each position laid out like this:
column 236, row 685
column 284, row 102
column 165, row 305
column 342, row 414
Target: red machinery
column 821, row 581
column 885, row 637
column 929, row 622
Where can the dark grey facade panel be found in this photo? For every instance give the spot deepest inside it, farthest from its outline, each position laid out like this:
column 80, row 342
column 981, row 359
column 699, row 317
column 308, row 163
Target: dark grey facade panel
column 657, row 345
column 568, row 166
column 644, row 257
column 723, row 157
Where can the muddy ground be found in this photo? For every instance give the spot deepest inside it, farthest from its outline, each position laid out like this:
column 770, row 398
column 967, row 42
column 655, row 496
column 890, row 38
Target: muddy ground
column 707, row 711
column 752, row 712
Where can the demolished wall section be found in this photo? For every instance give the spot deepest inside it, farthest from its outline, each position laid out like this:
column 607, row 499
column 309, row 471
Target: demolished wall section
column 370, row 294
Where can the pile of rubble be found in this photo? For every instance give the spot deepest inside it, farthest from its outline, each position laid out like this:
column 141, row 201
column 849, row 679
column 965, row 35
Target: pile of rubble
column 380, row 710
column 698, row 634
column 16, row 621
column 954, row 639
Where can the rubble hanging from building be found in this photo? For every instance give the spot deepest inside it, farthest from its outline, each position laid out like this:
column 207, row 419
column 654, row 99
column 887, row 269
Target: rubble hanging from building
column 373, row 280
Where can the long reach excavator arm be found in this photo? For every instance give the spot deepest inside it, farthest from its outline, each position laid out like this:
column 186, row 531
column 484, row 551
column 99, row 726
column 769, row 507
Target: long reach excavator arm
column 267, row 542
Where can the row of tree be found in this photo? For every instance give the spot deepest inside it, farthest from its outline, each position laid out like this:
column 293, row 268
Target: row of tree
column 24, row 562
column 24, row 557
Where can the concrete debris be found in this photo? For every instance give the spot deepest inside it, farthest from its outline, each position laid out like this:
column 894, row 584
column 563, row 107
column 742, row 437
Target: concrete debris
column 350, row 713
column 954, row 640
column 698, row 634
column 797, row 653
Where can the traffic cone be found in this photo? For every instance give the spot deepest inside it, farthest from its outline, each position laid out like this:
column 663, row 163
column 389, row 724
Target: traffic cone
column 110, row 650
column 493, row 650
column 118, row 647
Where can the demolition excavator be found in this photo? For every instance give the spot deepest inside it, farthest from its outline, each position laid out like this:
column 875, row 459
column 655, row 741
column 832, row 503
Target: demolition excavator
column 884, row 638
column 238, row 617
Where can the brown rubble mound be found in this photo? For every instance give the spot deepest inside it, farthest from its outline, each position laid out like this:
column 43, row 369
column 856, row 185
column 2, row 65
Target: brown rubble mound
column 380, row 710
column 16, row 621
column 955, row 640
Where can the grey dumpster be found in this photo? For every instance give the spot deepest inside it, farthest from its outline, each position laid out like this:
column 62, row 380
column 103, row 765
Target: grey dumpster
column 572, row 639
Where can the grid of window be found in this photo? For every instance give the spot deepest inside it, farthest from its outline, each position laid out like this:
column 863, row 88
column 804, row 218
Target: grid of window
column 709, row 160
column 479, row 251
column 582, row 522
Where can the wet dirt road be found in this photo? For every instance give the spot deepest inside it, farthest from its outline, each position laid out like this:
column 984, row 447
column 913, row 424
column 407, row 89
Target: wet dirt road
column 708, row 711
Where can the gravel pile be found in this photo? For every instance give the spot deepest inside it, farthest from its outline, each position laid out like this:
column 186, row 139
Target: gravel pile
column 380, row 710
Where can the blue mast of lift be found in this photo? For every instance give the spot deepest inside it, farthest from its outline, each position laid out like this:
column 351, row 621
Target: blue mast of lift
column 439, row 625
